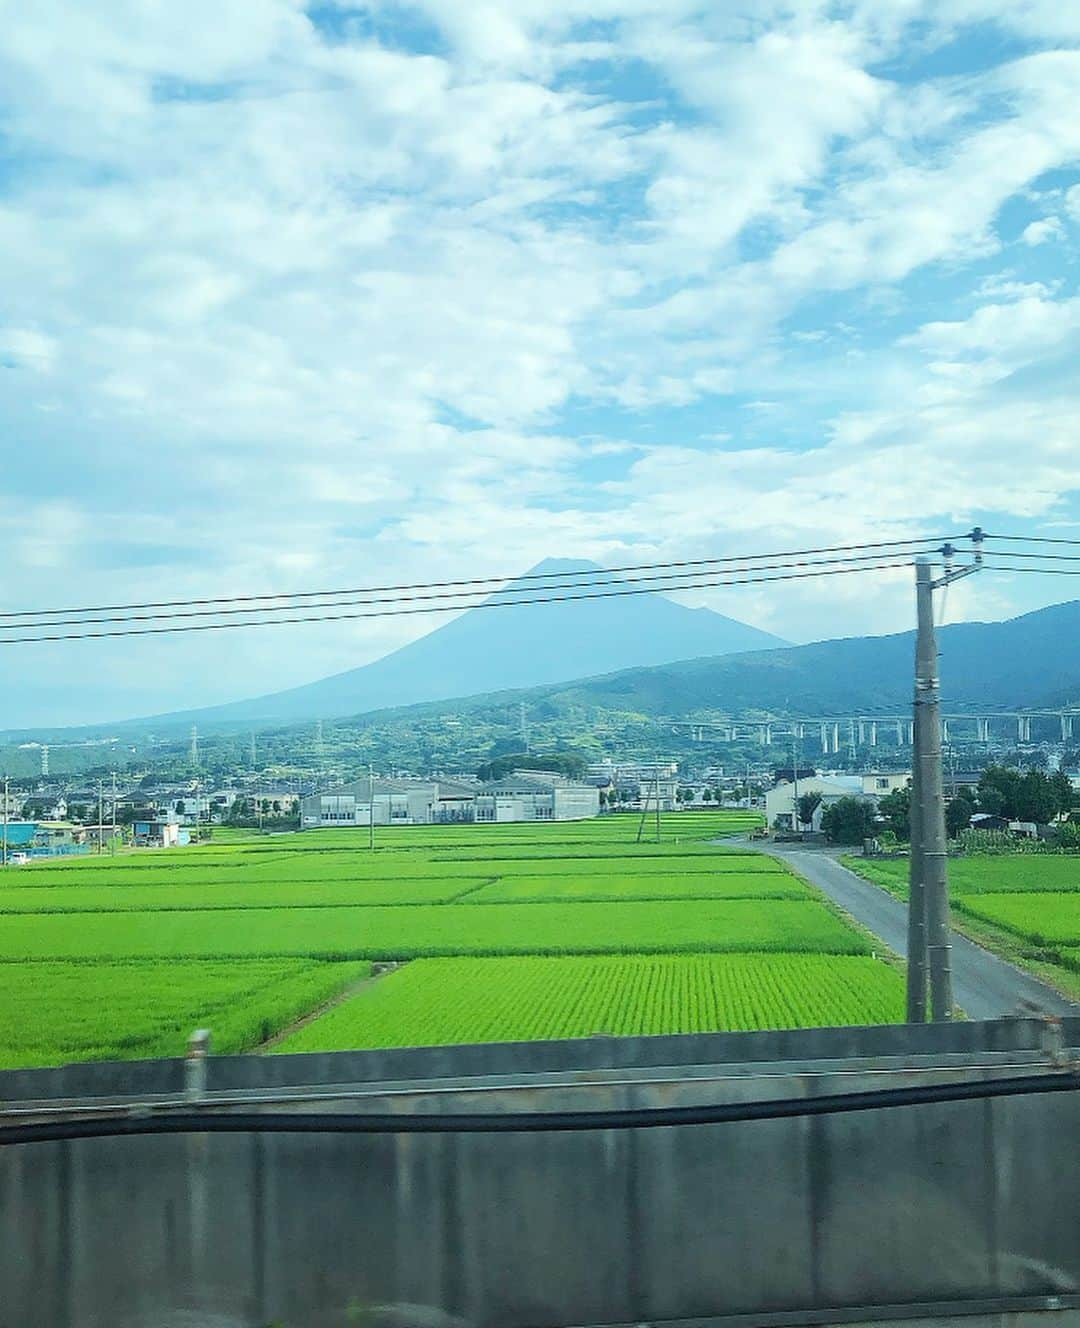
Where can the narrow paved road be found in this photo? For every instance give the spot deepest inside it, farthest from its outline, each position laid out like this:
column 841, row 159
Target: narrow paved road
column 985, row 986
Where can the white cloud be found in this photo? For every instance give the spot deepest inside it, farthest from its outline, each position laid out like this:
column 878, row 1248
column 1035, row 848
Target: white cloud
column 1020, row 331
column 1039, row 232
column 27, row 349
column 278, row 302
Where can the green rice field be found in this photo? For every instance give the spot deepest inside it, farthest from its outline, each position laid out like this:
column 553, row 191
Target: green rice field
column 541, row 930
column 439, row 1001
column 69, row 1011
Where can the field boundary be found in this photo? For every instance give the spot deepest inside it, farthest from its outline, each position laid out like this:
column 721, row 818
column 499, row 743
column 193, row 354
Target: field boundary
column 316, row 1012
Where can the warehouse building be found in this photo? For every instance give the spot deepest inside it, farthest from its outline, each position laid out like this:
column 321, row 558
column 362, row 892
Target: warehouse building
column 532, row 796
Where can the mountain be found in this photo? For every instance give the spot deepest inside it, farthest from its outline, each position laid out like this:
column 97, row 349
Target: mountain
column 484, row 650
column 1032, row 660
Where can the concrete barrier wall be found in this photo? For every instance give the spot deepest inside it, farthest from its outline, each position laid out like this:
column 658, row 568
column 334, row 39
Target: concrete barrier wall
column 139, row 1078
column 910, row 1210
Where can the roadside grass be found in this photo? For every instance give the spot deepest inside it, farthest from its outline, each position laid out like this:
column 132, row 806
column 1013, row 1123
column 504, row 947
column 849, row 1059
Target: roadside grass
column 1024, row 908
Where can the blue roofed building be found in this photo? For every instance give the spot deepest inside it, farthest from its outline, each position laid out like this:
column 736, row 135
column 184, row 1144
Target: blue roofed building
column 41, row 839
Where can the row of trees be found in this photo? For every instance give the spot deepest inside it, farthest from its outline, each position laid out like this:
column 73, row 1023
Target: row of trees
column 1014, row 795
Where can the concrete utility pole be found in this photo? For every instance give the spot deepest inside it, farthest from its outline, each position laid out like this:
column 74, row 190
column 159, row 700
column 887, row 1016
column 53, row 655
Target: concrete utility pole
column 5, row 820
column 112, row 839
column 371, row 807
column 100, row 817
column 929, row 949
column 796, row 818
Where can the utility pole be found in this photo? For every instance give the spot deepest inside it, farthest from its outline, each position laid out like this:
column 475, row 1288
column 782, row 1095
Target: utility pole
column 796, row 819
column 112, row 840
column 100, row 817
column 5, row 853
column 656, row 777
column 645, row 810
column 371, row 807
column 929, row 949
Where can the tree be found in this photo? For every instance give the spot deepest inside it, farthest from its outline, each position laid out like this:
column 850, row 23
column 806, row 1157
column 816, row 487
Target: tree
column 959, row 811
column 895, row 807
column 571, row 764
column 991, row 801
column 1004, row 781
column 1037, row 799
column 848, row 821
column 1063, row 790
column 807, row 805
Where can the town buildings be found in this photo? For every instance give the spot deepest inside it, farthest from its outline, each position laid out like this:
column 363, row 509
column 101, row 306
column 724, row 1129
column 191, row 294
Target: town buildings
column 521, row 796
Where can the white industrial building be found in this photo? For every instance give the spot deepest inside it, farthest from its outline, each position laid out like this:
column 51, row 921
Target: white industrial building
column 529, row 796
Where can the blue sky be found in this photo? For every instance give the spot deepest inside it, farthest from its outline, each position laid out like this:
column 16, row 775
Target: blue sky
column 299, row 295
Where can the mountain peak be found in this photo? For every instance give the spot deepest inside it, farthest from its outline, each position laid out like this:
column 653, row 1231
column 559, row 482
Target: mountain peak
column 537, row 638
column 562, row 567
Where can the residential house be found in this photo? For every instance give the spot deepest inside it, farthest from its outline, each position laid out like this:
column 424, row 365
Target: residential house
column 780, row 801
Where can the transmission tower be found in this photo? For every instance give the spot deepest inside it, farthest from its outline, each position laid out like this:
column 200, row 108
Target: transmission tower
column 194, row 744
column 45, row 760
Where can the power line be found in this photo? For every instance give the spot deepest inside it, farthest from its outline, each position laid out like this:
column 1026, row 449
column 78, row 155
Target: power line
column 896, row 545
column 1020, row 553
column 1033, row 539
column 451, row 608
column 1037, row 571
column 595, row 583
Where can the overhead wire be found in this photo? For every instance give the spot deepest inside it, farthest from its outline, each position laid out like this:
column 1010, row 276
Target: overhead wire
column 897, row 545
column 1033, row 539
column 444, row 608
column 595, row 583
column 28, row 626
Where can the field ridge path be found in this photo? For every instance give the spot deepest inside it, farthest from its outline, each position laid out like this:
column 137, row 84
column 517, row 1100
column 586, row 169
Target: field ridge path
column 345, row 994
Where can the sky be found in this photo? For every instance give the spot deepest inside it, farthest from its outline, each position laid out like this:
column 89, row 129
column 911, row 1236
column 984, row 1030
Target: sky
column 296, row 295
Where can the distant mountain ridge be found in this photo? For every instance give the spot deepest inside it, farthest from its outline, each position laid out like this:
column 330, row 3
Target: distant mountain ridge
column 485, row 650
column 1029, row 661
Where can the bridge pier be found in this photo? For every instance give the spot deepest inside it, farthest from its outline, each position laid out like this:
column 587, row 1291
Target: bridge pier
column 1023, row 728
column 1066, row 728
